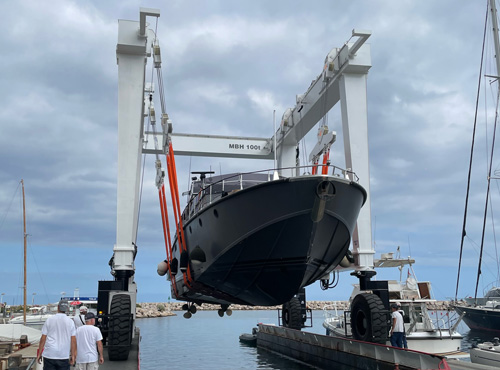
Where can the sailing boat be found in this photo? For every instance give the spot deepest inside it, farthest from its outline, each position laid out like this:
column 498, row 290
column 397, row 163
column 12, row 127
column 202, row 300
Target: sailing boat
column 483, row 313
column 38, row 315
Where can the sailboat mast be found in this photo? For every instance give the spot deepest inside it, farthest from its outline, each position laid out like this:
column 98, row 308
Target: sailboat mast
column 25, row 235
column 494, row 22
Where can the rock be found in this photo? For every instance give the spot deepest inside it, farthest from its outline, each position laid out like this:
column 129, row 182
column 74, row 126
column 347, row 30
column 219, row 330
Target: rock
column 163, row 309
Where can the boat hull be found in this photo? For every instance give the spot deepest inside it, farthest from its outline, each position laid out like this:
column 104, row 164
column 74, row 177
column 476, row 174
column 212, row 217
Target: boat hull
column 30, row 319
column 436, row 342
column 261, row 245
column 486, row 354
column 480, row 318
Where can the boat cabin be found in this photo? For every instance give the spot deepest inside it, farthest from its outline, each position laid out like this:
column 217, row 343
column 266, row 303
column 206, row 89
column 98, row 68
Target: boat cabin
column 76, row 302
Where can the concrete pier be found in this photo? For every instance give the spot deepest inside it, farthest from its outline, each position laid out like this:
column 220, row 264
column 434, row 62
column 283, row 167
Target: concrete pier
column 132, row 362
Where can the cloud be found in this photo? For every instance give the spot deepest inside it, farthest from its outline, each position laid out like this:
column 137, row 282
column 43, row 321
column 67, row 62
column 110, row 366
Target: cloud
column 226, row 67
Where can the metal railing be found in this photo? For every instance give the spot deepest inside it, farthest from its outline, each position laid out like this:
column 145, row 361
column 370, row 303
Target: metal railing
column 207, row 195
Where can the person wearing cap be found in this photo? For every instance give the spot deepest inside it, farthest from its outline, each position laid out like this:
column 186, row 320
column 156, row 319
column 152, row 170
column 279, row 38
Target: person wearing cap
column 58, row 342
column 80, row 318
column 89, row 342
column 397, row 329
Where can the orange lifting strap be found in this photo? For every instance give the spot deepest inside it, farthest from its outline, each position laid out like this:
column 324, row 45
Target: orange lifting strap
column 326, row 163
column 166, row 234
column 315, row 168
column 174, row 191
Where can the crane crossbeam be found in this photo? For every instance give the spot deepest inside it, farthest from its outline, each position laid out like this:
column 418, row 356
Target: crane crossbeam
column 213, row 146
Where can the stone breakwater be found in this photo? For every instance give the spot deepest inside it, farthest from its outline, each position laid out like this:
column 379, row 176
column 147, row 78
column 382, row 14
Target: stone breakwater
column 162, row 309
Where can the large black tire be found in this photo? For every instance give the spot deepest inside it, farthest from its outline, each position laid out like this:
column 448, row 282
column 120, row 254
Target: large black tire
column 120, row 328
column 292, row 314
column 368, row 318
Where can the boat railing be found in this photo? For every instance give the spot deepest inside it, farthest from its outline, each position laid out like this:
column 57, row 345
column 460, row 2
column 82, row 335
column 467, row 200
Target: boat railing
column 232, row 183
column 331, row 314
column 330, row 311
column 446, row 323
column 491, row 286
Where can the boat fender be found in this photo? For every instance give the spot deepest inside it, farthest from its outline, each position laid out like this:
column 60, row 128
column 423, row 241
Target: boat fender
column 347, row 260
column 173, row 266
column 162, row 268
column 344, row 262
column 184, row 261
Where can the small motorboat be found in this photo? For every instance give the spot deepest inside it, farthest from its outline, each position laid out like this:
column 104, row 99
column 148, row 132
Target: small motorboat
column 487, row 353
column 37, row 316
column 249, row 339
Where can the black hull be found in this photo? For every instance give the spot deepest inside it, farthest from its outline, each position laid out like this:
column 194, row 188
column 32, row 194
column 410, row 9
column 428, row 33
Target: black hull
column 261, row 245
column 483, row 319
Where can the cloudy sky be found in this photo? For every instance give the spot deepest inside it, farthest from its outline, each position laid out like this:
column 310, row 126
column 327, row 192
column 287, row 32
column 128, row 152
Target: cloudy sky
column 227, row 65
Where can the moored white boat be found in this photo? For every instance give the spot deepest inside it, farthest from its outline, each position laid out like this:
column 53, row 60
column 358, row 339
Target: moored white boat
column 426, row 331
column 487, row 353
column 37, row 316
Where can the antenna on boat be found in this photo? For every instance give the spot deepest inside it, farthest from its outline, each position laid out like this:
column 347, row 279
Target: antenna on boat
column 275, row 175
column 25, row 235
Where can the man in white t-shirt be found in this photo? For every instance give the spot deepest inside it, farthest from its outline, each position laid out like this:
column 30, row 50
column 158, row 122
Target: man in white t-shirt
column 397, row 329
column 89, row 342
column 58, row 342
column 80, row 319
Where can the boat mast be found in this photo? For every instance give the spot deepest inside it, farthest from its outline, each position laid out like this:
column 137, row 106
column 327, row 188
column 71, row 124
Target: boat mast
column 494, row 22
column 25, row 236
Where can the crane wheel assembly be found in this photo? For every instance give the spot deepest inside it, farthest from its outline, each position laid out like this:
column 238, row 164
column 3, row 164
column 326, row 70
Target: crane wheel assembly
column 292, row 314
column 120, row 324
column 368, row 318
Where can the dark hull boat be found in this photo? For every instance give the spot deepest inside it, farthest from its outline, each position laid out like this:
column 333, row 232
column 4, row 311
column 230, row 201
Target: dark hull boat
column 256, row 241
column 482, row 313
column 481, row 318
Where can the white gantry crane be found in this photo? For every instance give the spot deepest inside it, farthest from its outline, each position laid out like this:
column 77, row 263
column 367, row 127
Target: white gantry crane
column 343, row 79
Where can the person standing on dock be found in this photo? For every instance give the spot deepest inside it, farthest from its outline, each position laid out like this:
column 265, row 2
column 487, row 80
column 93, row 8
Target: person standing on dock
column 89, row 341
column 397, row 329
column 58, row 341
column 400, row 310
column 80, row 319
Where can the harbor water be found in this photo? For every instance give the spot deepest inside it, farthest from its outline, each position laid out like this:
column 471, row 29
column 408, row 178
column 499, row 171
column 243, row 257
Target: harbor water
column 210, row 342
column 207, row 341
